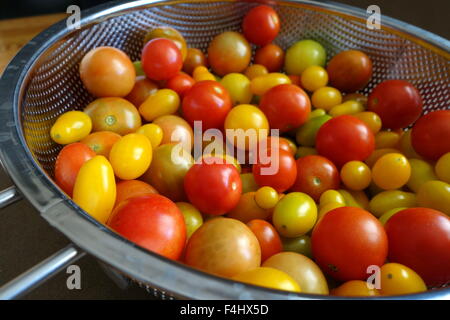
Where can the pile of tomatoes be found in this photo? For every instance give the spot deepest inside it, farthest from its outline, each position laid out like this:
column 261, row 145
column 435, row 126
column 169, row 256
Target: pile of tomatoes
column 356, row 194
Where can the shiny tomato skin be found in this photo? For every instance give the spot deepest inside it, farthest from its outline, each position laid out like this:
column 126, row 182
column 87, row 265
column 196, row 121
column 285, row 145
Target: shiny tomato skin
column 430, row 136
column 267, row 236
column 346, row 241
column 261, row 25
column 345, row 138
column 68, row 163
column 213, row 188
column 315, row 175
column 153, row 222
column 286, row 106
column 420, row 239
column 271, row 56
column 161, row 59
column 397, row 102
column 181, row 83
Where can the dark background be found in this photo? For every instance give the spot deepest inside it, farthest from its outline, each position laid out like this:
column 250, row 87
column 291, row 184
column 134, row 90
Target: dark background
column 26, row 239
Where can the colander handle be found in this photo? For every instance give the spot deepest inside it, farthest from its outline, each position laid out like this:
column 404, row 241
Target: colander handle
column 9, row 196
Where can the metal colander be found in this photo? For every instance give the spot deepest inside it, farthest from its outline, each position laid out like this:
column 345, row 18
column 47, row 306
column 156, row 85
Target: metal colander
column 42, row 82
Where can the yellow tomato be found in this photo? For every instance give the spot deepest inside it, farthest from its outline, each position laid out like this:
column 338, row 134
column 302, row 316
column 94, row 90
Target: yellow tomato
column 255, row 70
column 391, row 171
column 331, row 196
column 247, row 117
column 388, row 214
column 153, row 132
column 397, row 279
column 360, row 198
column 313, row 78
column 442, row 168
column 386, row 139
column 387, row 200
column 349, row 199
column 162, row 102
column 377, row 154
column 347, row 107
column 131, row 156
column 328, row 207
column 435, row 195
column 356, row 175
column 269, row 278
column 192, row 217
column 95, row 188
column 421, row 172
column 238, row 86
column 372, row 120
column 71, row 127
column 201, row 73
column 326, row 98
column 316, row 113
column 406, row 147
column 262, row 84
column 266, row 197
column 354, row 288
column 305, row 151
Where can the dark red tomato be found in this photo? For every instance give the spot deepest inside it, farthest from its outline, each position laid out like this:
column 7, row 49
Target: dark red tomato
column 142, row 89
column 345, row 138
column 267, row 236
column 181, row 83
column 153, row 222
column 430, row 136
column 194, row 58
column 349, row 70
column 208, row 102
column 212, row 186
column 286, row 106
column 161, row 59
column 261, row 25
column 271, row 56
column 420, row 239
column 296, row 80
column 68, row 163
column 279, row 172
column 346, row 241
column 397, row 102
column 315, row 175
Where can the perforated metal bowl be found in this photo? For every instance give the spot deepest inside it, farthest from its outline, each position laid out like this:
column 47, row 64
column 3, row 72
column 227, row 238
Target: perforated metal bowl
column 42, row 82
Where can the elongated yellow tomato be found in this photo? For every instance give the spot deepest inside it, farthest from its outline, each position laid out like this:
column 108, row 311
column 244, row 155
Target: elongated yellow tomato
column 391, row 171
column 326, row 98
column 349, row 199
column 387, row 200
column 163, row 102
column 269, row 278
column 347, row 107
column 331, row 196
column 388, row 214
column 435, row 194
column 201, row 73
column 131, row 156
column 153, row 132
column 354, row 288
column 262, row 84
column 71, row 127
column 442, row 168
column 356, row 175
column 314, row 77
column 370, row 118
column 421, row 172
column 95, row 188
column 387, row 139
column 238, row 86
column 398, row 279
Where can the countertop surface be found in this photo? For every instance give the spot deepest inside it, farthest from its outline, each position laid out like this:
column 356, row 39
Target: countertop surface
column 26, row 239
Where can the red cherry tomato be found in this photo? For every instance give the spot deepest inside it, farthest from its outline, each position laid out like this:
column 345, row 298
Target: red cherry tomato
column 397, row 102
column 345, row 138
column 271, row 56
column 346, row 241
column 153, row 222
column 420, row 239
column 68, row 163
column 282, row 170
column 213, row 186
column 430, row 136
column 315, row 175
column 161, row 59
column 267, row 236
column 207, row 101
column 286, row 106
column 261, row 25
column 181, row 83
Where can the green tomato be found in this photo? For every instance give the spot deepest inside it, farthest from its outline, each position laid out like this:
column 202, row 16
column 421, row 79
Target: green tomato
column 435, row 195
column 303, row 54
column 238, row 86
column 192, row 217
column 388, row 214
column 138, row 68
column 248, row 183
column 300, row 245
column 306, row 134
column 316, row 113
column 387, row 200
column 295, row 214
column 421, row 172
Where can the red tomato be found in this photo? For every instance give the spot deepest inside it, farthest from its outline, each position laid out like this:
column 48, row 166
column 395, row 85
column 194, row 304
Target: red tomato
column 286, row 106
column 161, row 59
column 282, row 170
column 420, row 239
column 267, row 236
column 283, row 143
column 181, row 83
column 68, row 163
column 397, row 102
column 142, row 89
column 346, row 241
column 207, row 101
column 430, row 136
column 271, row 56
column 315, row 175
column 213, row 188
column 261, row 25
column 349, row 70
column 345, row 138
column 153, row 222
